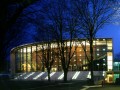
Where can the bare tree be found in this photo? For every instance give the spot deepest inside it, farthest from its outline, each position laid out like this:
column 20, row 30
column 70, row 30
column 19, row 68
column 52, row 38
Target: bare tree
column 8, row 18
column 55, row 18
column 92, row 15
column 48, row 57
column 62, row 25
column 48, row 52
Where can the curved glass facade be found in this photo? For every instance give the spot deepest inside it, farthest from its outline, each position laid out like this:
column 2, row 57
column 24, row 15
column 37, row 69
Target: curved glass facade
column 30, row 57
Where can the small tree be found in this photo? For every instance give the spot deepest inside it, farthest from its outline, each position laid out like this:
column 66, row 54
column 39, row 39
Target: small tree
column 48, row 57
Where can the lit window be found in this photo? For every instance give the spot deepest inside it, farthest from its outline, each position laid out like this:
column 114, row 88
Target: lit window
column 103, row 49
column 109, row 57
column 109, row 63
column 104, row 59
column 97, row 49
column 28, row 50
column 104, row 64
column 98, row 64
column 109, row 68
column 74, row 60
column 109, row 48
column 97, row 54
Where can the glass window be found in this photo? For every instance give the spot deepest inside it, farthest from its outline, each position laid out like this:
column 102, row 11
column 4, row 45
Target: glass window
column 109, row 60
column 33, row 58
column 109, row 42
column 29, row 58
column 109, row 48
column 97, row 49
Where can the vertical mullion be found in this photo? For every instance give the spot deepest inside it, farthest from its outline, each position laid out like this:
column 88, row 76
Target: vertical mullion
column 36, row 59
column 31, row 59
column 26, row 59
column 23, row 58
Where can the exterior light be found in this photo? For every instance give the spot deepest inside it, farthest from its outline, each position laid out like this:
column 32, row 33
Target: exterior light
column 104, row 64
column 61, row 76
column 98, row 65
column 74, row 60
column 76, row 75
column 104, row 49
column 97, row 54
column 97, row 49
column 39, row 75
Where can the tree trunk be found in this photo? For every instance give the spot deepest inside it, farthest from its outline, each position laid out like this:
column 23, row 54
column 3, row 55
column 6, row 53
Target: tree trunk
column 43, row 67
column 91, row 58
column 3, row 62
column 49, row 75
column 65, row 75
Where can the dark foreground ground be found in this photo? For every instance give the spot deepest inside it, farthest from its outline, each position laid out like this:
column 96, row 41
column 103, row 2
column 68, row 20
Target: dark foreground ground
column 106, row 87
column 42, row 85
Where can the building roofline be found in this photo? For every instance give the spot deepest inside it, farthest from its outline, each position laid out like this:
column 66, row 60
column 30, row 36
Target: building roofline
column 35, row 43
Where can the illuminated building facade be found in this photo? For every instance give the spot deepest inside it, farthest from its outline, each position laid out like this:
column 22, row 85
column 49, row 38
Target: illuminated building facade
column 29, row 57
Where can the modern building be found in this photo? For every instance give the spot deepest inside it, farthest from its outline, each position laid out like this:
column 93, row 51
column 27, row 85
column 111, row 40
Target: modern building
column 31, row 57
column 116, row 70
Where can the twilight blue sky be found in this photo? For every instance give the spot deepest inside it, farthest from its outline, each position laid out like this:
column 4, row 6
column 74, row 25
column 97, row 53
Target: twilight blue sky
column 111, row 31
column 108, row 31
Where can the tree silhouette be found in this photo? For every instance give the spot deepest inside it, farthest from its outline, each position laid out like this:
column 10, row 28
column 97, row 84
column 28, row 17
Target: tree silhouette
column 93, row 15
column 8, row 18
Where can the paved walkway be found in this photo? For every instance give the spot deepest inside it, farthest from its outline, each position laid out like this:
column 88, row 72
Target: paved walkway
column 99, row 87
column 87, row 87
